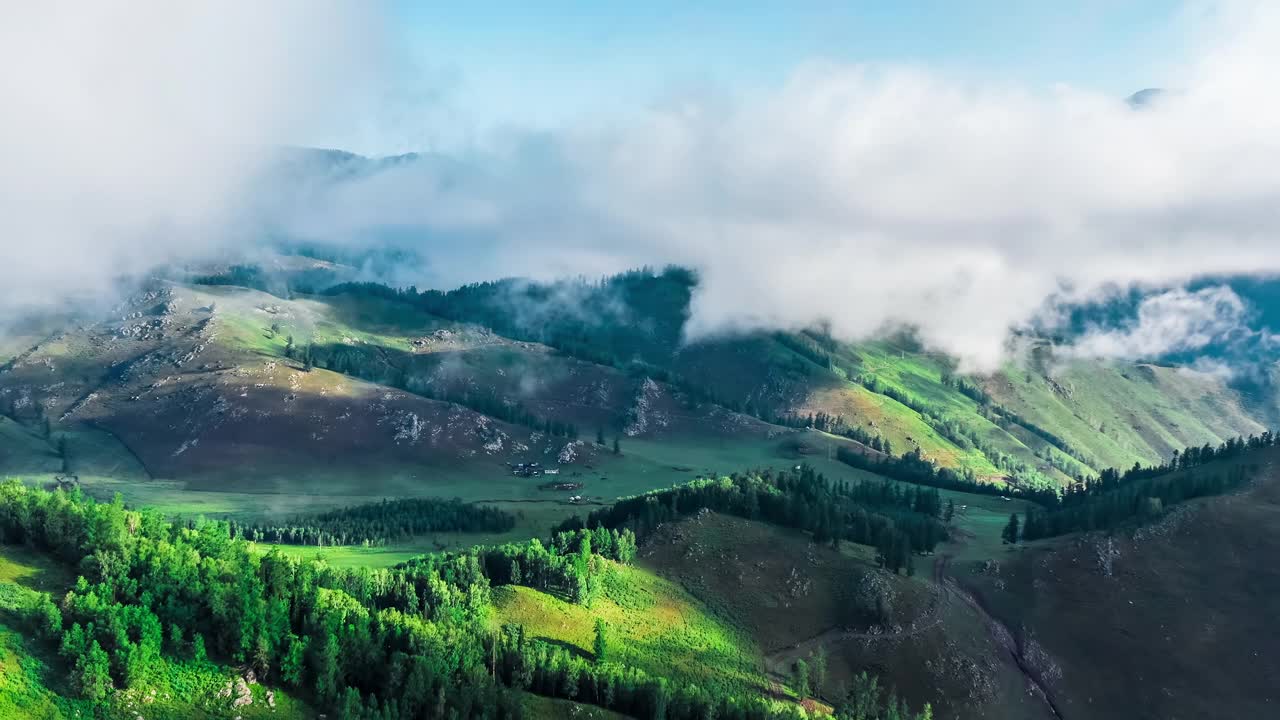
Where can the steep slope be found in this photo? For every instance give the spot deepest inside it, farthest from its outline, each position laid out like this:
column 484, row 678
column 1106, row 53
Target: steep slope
column 1121, row 413
column 1180, row 610
column 1047, row 421
column 1001, row 427
column 801, row 601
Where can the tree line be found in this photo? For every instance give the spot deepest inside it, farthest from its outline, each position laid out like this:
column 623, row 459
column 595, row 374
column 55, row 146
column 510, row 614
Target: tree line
column 639, row 313
column 913, row 467
column 895, row 520
column 361, row 363
column 570, row 566
column 379, row 523
column 834, row 424
column 1003, row 415
column 1141, row 493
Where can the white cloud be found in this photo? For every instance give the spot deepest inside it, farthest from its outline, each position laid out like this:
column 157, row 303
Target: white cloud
column 130, row 128
column 859, row 195
column 1172, row 321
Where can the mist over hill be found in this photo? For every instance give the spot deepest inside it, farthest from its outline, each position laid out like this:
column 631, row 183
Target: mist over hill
column 388, row 361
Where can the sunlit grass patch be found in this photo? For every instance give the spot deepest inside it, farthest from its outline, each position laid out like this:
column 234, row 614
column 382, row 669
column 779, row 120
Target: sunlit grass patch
column 653, row 624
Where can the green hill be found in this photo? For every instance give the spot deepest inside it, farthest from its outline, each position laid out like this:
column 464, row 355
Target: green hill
column 233, row 402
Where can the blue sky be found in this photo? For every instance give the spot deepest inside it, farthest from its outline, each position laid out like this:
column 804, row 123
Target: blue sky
column 482, row 65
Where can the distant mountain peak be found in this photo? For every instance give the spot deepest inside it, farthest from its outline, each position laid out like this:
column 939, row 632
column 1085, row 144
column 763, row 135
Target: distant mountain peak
column 1145, row 98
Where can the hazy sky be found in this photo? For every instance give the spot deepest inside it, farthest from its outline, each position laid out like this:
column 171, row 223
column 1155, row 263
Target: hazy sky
column 459, row 71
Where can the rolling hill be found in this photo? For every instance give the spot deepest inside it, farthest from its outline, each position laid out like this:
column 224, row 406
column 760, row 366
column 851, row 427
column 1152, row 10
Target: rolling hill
column 362, row 391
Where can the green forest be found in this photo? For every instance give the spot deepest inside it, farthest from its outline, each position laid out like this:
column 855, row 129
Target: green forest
column 405, row 642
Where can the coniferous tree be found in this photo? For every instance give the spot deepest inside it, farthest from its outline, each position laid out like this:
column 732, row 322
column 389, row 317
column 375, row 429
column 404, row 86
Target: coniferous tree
column 1010, row 533
column 93, row 673
column 602, row 641
column 819, row 669
column 800, row 678
column 62, row 453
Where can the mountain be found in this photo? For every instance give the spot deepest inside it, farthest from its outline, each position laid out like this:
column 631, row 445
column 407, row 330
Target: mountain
column 185, row 376
column 1145, row 97
column 807, row 503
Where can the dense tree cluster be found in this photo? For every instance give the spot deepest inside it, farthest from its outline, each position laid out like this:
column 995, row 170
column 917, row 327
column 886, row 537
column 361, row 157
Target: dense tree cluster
column 277, row 283
column 912, row 467
column 807, row 346
column 1141, row 499
column 348, row 637
column 1144, row 492
column 570, row 566
column 406, row 642
column 380, row 523
column 376, row 366
column 894, row 519
column 637, row 314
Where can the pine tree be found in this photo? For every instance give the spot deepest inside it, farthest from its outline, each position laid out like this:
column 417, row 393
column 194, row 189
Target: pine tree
column 1010, row 532
column 62, row 453
column 93, row 673
column 602, row 641
column 800, row 678
column 617, row 447
column 819, row 669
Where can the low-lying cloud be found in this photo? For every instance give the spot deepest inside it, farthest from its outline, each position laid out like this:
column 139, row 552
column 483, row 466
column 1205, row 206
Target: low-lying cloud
column 864, row 196
column 1173, row 321
column 130, row 129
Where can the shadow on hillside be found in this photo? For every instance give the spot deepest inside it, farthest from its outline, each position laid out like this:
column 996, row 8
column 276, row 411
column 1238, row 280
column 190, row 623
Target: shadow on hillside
column 567, row 646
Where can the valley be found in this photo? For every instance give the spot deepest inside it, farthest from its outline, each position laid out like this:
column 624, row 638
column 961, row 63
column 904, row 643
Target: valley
column 370, row 360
